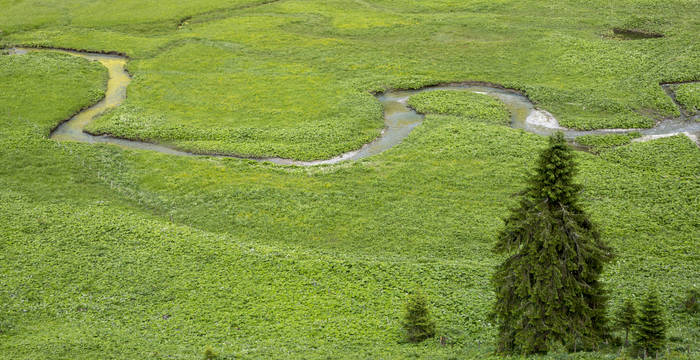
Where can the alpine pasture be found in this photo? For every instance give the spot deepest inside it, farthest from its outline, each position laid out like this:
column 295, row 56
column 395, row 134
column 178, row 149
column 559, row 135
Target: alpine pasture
column 111, row 252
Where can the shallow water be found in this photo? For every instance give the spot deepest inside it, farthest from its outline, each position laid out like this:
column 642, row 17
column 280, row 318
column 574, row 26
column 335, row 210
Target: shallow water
column 524, row 115
column 399, row 118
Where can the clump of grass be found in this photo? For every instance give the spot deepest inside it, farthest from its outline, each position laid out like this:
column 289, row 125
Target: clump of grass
column 640, row 27
column 5, row 326
column 210, row 354
column 690, row 304
column 607, row 140
column 626, row 120
column 466, row 104
column 688, row 95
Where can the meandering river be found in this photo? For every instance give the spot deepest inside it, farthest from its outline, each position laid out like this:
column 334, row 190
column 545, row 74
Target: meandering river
column 399, row 118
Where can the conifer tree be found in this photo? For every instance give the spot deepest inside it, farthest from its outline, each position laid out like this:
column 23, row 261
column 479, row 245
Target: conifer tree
column 417, row 322
column 651, row 328
column 547, row 289
column 625, row 318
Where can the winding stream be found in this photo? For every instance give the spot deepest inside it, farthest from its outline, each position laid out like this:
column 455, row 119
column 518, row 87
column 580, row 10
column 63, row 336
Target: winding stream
column 399, row 118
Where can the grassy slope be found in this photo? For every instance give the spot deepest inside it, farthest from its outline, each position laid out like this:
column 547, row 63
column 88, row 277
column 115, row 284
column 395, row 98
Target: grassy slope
column 290, row 78
column 122, row 254
column 306, row 266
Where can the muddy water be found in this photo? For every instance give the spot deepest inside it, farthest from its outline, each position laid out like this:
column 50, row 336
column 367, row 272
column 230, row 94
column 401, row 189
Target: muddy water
column 524, row 115
column 399, row 118
column 119, row 79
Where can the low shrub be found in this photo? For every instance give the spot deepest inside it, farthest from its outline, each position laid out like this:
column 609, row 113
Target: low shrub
column 690, row 305
column 417, row 322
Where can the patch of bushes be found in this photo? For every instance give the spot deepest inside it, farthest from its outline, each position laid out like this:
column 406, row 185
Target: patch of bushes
column 688, row 95
column 607, row 140
column 466, row 104
column 640, row 27
column 690, row 305
column 624, row 120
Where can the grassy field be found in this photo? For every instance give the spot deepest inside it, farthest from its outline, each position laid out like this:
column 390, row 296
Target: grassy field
column 688, row 95
column 121, row 254
column 596, row 142
column 230, row 80
column 472, row 106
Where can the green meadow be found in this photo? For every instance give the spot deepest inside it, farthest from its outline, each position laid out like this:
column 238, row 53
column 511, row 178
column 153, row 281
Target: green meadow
column 114, row 253
column 688, row 95
column 468, row 105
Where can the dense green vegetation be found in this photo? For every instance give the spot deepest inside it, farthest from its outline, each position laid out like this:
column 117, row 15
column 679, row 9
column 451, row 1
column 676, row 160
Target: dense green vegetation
column 607, row 140
column 113, row 253
column 73, row 77
column 418, row 323
column 638, row 27
column 548, row 290
column 230, row 80
column 651, row 326
column 476, row 107
column 688, row 95
column 626, row 318
column 692, row 300
column 136, row 16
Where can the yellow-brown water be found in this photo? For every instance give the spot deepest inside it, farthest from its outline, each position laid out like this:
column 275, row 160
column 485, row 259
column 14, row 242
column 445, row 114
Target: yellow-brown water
column 119, row 79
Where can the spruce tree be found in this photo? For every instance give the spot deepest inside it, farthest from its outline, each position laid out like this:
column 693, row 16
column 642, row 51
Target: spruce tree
column 625, row 318
column 417, row 322
column 547, row 289
column 651, row 328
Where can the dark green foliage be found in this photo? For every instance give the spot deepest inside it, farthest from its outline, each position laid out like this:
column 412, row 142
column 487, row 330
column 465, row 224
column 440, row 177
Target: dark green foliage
column 417, row 321
column 547, row 290
column 625, row 318
column 4, row 326
column 210, row 354
column 651, row 327
column 690, row 305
